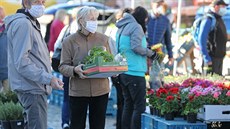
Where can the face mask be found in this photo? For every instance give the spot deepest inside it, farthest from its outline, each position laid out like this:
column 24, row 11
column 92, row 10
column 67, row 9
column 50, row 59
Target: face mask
column 37, row 10
column 159, row 10
column 222, row 11
column 91, row 26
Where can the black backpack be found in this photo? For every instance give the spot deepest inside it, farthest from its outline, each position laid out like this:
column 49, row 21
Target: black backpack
column 57, row 52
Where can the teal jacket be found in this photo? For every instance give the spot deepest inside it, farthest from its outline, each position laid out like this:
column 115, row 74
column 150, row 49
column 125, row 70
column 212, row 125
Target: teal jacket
column 131, row 42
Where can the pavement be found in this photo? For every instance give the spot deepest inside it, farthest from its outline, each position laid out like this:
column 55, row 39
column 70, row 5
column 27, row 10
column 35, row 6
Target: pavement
column 54, row 118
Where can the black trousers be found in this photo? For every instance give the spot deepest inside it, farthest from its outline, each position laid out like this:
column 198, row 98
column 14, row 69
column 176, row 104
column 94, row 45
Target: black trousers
column 97, row 111
column 120, row 100
column 216, row 67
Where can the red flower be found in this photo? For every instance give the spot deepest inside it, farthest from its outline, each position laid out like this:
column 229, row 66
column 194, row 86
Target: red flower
column 174, row 90
column 190, row 97
column 169, row 98
column 161, row 91
column 150, row 92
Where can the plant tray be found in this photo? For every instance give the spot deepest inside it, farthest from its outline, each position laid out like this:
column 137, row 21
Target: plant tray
column 214, row 113
column 101, row 69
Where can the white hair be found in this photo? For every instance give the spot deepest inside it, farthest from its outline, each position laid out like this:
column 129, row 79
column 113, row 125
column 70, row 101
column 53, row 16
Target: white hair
column 85, row 12
column 60, row 14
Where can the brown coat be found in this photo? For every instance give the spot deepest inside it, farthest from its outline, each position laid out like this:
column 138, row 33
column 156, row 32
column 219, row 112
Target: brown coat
column 74, row 49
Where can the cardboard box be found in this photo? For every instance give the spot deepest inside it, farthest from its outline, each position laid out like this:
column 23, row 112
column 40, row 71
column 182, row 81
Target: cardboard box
column 101, row 69
column 214, row 113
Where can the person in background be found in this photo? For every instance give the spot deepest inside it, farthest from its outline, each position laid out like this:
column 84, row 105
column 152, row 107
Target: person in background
column 86, row 94
column 4, row 87
column 56, row 27
column 66, row 31
column 159, row 28
column 29, row 63
column 47, row 35
column 131, row 42
column 213, row 43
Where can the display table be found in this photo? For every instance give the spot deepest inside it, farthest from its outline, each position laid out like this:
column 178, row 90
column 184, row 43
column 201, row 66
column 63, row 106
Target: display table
column 154, row 122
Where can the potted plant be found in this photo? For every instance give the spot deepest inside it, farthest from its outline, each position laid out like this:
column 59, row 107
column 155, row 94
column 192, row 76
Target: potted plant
column 8, row 96
column 191, row 107
column 170, row 99
column 11, row 115
column 152, row 101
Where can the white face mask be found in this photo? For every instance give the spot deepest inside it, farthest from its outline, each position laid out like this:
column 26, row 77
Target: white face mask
column 222, row 11
column 37, row 10
column 91, row 26
column 159, row 10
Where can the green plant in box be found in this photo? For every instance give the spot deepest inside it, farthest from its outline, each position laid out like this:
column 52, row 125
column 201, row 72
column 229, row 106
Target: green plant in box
column 98, row 51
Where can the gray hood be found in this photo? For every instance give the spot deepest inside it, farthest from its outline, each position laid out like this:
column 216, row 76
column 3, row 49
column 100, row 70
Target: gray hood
column 127, row 18
column 11, row 18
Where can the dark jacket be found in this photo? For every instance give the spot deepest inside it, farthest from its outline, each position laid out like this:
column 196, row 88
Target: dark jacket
column 159, row 31
column 212, row 43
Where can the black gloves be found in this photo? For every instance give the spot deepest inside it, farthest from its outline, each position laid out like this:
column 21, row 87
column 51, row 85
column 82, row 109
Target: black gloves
column 155, row 56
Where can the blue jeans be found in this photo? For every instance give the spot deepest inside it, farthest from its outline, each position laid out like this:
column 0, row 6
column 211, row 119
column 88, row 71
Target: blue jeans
column 134, row 90
column 65, row 106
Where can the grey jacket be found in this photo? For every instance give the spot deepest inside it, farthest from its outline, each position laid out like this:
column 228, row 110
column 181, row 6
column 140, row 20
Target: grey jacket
column 28, row 57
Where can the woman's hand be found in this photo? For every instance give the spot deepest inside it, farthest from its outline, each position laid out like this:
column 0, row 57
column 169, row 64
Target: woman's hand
column 79, row 71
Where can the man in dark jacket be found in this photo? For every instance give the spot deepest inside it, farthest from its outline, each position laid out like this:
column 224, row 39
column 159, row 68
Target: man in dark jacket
column 213, row 42
column 159, row 28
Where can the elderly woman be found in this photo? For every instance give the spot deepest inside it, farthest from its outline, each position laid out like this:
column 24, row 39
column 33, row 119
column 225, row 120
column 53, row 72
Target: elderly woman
column 29, row 63
column 85, row 93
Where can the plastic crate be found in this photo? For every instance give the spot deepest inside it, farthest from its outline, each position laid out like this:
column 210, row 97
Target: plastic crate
column 56, row 97
column 113, row 94
column 58, row 75
column 153, row 122
column 147, row 121
column 111, row 107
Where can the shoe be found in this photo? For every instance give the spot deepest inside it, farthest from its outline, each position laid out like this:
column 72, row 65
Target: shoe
column 65, row 126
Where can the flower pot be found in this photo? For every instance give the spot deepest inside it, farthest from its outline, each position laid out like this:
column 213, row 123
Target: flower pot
column 169, row 116
column 17, row 124
column 5, row 124
column 153, row 111
column 191, row 117
column 185, row 117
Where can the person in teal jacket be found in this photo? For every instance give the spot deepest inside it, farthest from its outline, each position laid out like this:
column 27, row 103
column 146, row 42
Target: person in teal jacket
column 131, row 42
